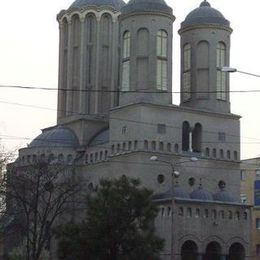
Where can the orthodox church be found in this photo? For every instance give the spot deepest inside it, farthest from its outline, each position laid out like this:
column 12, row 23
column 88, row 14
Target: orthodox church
column 116, row 117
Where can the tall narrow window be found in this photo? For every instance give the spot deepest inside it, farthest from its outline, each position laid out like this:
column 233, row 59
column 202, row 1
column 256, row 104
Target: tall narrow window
column 126, row 62
column 161, row 51
column 221, row 76
column 186, row 76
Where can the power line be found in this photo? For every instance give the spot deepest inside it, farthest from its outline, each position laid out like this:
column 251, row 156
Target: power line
column 129, row 91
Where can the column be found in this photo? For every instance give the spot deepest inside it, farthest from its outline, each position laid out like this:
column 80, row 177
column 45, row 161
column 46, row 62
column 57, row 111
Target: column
column 69, row 71
column 97, row 80
column 61, row 105
column 82, row 81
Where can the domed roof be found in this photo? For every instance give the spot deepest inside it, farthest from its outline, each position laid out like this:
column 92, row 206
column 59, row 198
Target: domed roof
column 58, row 136
column 176, row 192
column 201, row 194
column 205, row 14
column 225, row 196
column 101, row 138
column 146, row 6
column 117, row 4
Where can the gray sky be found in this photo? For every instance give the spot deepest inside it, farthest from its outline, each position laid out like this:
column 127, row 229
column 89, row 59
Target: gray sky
column 29, row 57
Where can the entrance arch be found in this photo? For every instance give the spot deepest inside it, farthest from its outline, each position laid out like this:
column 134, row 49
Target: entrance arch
column 213, row 251
column 236, row 252
column 189, row 250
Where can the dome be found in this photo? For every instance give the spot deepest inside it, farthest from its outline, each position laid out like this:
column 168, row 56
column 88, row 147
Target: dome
column 205, row 14
column 201, row 194
column 224, row 196
column 101, row 138
column 176, row 192
column 55, row 137
column 117, row 4
column 146, row 6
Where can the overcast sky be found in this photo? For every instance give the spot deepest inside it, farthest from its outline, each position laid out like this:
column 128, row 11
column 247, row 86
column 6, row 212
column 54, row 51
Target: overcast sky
column 29, row 57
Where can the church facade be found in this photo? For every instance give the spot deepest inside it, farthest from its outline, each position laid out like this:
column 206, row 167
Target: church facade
column 115, row 108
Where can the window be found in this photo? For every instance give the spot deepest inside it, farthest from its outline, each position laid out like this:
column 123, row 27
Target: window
column 126, row 62
column 228, row 154
column 169, row 211
column 222, row 214
column 235, row 155
column 169, row 147
column 258, row 249
column 214, row 214
column 160, row 178
column 257, row 223
column 197, row 213
column 161, row 128
column 145, row 145
column 189, row 212
column 221, row 153
column 161, row 146
column 161, row 52
column 243, row 198
column 207, row 152
column 124, row 129
column 257, row 173
column 206, row 213
column 242, row 175
column 186, row 76
column 222, row 136
column 129, row 145
column 181, row 211
column 221, row 76
column 214, row 153
column 135, row 145
column 153, row 145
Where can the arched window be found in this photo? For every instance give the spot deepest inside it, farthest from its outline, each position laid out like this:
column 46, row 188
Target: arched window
column 161, row 146
column 221, row 76
column 221, row 153
column 185, row 136
column 197, row 138
column 186, row 76
column 153, row 145
column 169, row 147
column 161, row 52
column 145, row 145
column 126, row 61
column 207, row 152
column 228, row 154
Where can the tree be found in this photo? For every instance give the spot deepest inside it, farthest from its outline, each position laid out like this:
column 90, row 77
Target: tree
column 36, row 196
column 118, row 225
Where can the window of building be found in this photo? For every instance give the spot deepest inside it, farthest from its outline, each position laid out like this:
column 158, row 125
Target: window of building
column 221, row 153
column 257, row 223
column 258, row 249
column 161, row 146
column 169, row 147
column 145, row 145
column 186, row 76
column 206, row 213
column 197, row 138
column 169, row 211
column 129, row 145
column 222, row 214
column 243, row 198
column 161, row 51
column 161, row 128
column 126, row 61
column 207, row 153
column 228, row 154
column 221, row 76
column 185, row 136
column 124, row 146
column 189, row 212
column 176, row 148
column 257, row 173
column 135, row 145
column 160, row 178
column 197, row 213
column 222, row 136
column 235, row 155
column 214, row 153
column 242, row 175
column 181, row 211
column 230, row 214
column 162, row 212
column 153, row 145
column 124, row 129
column 214, row 214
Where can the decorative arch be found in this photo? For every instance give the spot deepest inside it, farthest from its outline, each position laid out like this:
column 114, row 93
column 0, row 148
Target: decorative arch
column 125, row 84
column 161, row 53
column 185, row 135
column 217, row 240
column 186, row 72
column 213, row 251
column 221, row 61
column 189, row 250
column 236, row 252
column 142, row 58
column 197, row 138
column 202, row 69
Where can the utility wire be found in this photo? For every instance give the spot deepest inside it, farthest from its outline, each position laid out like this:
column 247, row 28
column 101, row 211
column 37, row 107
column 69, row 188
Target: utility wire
column 130, row 91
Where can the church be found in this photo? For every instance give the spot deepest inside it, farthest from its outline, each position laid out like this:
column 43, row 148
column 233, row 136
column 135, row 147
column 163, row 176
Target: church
column 115, row 114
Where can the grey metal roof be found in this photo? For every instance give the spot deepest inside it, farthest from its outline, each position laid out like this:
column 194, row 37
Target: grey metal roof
column 224, row 196
column 101, row 138
column 117, row 4
column 146, row 6
column 201, row 194
column 176, row 192
column 58, row 136
column 205, row 14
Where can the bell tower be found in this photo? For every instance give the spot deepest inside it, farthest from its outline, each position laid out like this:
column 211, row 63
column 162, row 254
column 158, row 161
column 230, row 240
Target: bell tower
column 205, row 49
column 146, row 51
